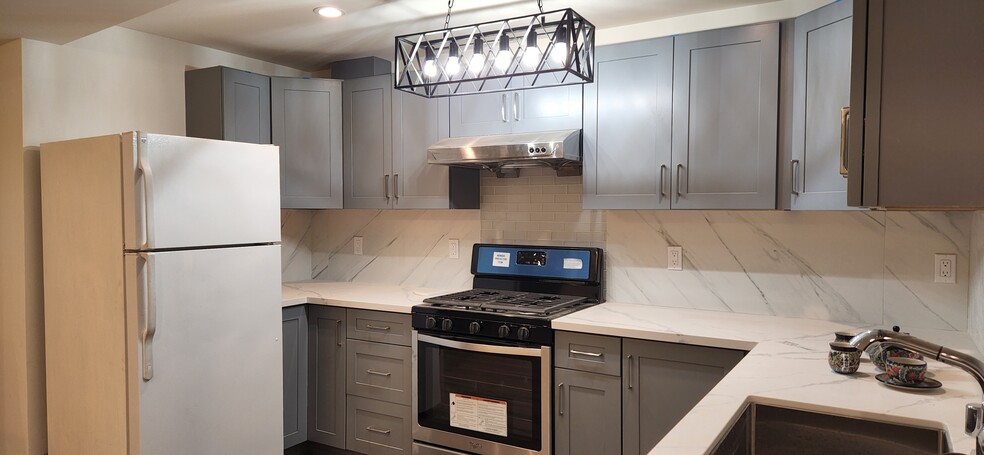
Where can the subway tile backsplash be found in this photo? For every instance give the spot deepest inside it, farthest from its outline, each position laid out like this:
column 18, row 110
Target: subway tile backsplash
column 863, row 267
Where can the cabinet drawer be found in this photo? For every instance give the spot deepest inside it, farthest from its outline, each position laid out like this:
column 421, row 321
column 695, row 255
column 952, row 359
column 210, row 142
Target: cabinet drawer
column 379, row 371
column 583, row 352
column 377, row 427
column 379, row 326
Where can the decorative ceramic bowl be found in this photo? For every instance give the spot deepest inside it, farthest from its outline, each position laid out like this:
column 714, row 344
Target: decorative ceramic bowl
column 905, row 370
column 880, row 352
column 843, row 357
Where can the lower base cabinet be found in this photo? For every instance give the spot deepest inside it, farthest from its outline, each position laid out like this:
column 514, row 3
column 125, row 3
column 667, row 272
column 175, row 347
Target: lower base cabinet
column 621, row 395
column 295, row 343
column 326, row 375
column 588, row 416
column 377, row 427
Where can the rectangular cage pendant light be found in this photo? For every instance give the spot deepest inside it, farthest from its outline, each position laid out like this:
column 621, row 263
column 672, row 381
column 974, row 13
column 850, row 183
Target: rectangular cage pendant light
column 540, row 50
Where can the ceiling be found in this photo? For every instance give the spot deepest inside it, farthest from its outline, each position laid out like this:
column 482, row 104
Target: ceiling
column 288, row 32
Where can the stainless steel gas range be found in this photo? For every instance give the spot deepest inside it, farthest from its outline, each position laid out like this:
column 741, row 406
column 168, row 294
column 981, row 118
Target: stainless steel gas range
column 483, row 357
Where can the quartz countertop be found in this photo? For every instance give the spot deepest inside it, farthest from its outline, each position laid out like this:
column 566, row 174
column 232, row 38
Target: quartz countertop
column 786, row 364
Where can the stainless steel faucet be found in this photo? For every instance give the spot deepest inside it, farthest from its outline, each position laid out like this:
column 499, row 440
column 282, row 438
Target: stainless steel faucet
column 974, row 412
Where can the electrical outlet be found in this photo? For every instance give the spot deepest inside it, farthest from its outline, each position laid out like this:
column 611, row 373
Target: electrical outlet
column 453, row 248
column 945, row 268
column 674, row 258
column 357, row 243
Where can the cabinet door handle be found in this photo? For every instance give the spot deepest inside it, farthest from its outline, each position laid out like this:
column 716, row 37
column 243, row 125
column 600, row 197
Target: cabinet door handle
column 386, row 186
column 396, row 187
column 560, row 398
column 377, row 327
column 845, row 137
column 502, row 108
column 338, row 332
column 794, row 166
column 589, row 354
column 377, row 430
column 515, row 106
column 629, row 358
column 378, row 373
column 679, row 184
column 662, row 185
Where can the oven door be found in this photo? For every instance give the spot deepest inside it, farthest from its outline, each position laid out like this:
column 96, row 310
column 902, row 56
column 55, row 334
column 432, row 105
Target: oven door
column 481, row 398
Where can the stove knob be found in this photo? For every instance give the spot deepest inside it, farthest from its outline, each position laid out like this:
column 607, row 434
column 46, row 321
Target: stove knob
column 474, row 328
column 446, row 325
column 430, row 322
column 503, row 331
column 523, row 333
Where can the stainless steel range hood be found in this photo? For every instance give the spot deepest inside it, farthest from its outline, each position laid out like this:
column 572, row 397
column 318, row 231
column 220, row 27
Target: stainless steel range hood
column 560, row 150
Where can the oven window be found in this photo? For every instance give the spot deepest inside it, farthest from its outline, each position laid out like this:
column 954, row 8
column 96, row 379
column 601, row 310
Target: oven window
column 483, row 384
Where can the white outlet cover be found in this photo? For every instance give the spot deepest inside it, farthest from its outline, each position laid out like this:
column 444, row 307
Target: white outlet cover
column 453, row 248
column 357, row 246
column 945, row 268
column 674, row 258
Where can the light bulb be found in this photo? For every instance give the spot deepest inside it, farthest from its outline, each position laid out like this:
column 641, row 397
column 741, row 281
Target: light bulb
column 453, row 66
column 476, row 64
column 531, row 54
column 559, row 52
column 328, row 11
column 430, row 66
column 504, row 58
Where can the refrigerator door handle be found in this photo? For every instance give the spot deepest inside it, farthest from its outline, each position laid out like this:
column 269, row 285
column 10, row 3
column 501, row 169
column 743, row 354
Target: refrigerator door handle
column 149, row 319
column 143, row 165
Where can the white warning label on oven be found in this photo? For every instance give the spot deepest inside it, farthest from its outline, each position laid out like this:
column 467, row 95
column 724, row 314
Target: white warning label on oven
column 573, row 264
column 478, row 414
column 500, row 259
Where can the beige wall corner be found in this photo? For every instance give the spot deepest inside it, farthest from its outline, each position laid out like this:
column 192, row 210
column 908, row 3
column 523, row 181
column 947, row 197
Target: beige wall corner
column 22, row 403
column 976, row 312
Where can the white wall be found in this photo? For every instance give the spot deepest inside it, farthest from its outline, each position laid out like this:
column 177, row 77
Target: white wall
column 108, row 82
column 976, row 313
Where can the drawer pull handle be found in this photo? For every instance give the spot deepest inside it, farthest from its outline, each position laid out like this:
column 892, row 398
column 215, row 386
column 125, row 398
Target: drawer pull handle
column 377, row 327
column 589, row 354
column 378, row 373
column 377, row 430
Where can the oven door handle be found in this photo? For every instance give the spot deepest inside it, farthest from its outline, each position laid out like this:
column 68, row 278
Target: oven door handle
column 489, row 348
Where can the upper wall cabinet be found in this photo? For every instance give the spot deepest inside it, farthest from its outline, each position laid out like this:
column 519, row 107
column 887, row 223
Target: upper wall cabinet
column 386, row 135
column 522, row 111
column 307, row 125
column 227, row 104
column 627, row 121
column 821, row 96
column 916, row 135
column 725, row 114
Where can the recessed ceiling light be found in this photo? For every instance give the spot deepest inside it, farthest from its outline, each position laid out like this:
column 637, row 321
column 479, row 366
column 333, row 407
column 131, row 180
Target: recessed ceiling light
column 328, row 11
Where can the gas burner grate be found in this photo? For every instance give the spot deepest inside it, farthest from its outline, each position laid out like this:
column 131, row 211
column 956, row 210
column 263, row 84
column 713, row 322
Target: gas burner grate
column 508, row 302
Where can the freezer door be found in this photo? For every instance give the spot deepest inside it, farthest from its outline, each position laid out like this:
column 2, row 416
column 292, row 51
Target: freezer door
column 207, row 369
column 181, row 192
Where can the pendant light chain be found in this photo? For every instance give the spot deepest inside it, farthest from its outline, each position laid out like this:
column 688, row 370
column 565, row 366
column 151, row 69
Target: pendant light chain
column 447, row 20
column 539, row 3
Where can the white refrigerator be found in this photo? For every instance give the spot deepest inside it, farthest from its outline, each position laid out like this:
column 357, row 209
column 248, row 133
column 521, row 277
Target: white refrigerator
column 162, row 296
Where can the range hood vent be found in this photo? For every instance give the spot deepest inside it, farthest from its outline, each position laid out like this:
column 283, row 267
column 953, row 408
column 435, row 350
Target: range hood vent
column 506, row 154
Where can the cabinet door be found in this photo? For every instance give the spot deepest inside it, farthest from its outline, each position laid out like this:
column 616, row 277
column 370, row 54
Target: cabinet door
column 481, row 114
column 378, row 427
column 662, row 382
column 307, row 125
column 227, row 104
column 627, row 121
column 918, row 70
column 295, row 375
column 379, row 371
column 725, row 114
column 546, row 109
column 821, row 89
column 326, row 375
column 368, row 142
column 418, row 123
column 587, row 415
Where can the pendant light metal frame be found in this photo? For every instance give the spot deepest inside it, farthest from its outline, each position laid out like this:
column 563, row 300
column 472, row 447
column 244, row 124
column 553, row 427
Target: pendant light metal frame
column 546, row 28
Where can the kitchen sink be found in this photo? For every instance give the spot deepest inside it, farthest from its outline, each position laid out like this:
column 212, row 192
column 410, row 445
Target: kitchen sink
column 765, row 429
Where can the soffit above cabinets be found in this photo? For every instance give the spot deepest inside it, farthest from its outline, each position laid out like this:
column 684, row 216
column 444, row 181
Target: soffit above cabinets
column 64, row 21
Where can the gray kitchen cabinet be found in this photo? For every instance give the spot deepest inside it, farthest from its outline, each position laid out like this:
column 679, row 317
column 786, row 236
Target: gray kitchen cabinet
column 295, row 344
column 821, row 95
column 915, row 131
column 307, row 125
column 378, row 427
column 587, row 416
column 379, row 327
column 661, row 383
column 326, row 375
column 385, row 138
column 379, row 371
column 520, row 111
column 227, row 104
column 725, row 118
column 627, row 127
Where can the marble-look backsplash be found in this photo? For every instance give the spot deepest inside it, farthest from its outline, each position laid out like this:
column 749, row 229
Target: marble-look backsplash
column 976, row 298
column 864, row 267
column 859, row 267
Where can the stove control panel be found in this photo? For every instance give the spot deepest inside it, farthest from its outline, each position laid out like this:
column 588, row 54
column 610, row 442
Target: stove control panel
column 492, row 329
